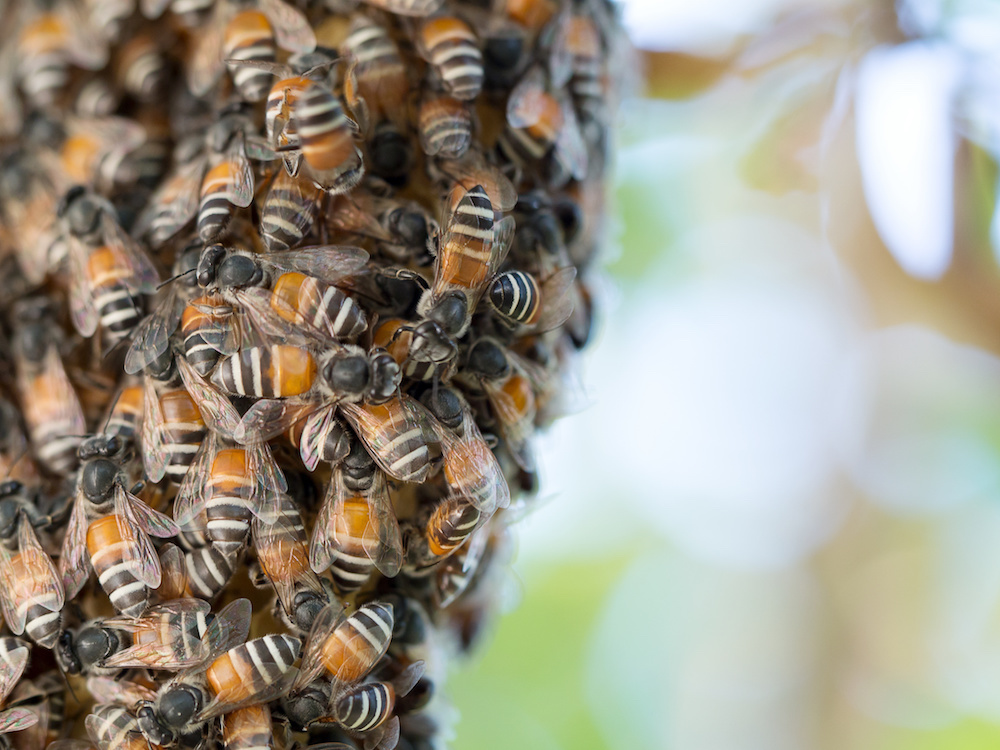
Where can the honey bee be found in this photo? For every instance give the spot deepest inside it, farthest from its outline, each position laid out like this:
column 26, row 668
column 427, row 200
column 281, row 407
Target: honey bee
column 113, row 727
column 140, row 68
column 471, row 170
column 400, row 228
column 366, row 709
column 97, row 152
column 125, row 416
column 250, row 30
column 289, row 211
column 49, row 42
column 253, row 673
column 115, row 543
column 208, row 569
column 469, row 252
column 522, row 303
column 451, row 48
column 31, row 592
column 579, row 52
column 176, row 636
column 30, row 193
column 212, row 177
column 445, row 125
column 13, row 660
column 44, row 696
column 207, row 333
column 539, row 123
column 377, row 72
column 356, row 529
column 346, row 647
column 109, row 269
column 172, row 432
column 282, row 547
column 50, row 405
column 510, row 383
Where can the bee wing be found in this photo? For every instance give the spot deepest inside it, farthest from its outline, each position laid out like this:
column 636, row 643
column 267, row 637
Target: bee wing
column 84, row 45
column 190, row 500
column 369, row 428
column 149, row 520
column 154, row 457
column 303, row 193
column 106, row 689
column 407, row 7
column 328, row 263
column 81, row 301
column 12, row 667
column 526, row 104
column 385, row 737
column 321, row 543
column 258, row 149
column 263, row 322
column 206, row 65
column 293, row 573
column 241, row 193
column 270, row 484
column 508, row 415
column 16, row 719
column 215, row 408
column 409, row 677
column 152, row 616
column 349, row 217
column 137, row 551
column 503, row 233
column 314, row 432
column 174, row 203
column 291, row 28
column 560, row 56
column 474, row 469
column 557, row 300
column 173, row 572
column 388, row 557
column 328, row 620
column 268, row 418
column 145, row 277
column 38, row 567
column 570, row 148
column 9, row 594
column 152, row 336
column 228, row 630
column 74, row 563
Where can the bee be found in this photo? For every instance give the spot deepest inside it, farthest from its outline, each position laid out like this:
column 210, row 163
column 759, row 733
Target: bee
column 356, row 530
column 289, row 211
column 407, row 7
column 31, row 592
column 113, row 727
column 109, row 270
column 175, row 636
column 253, row 673
column 469, row 252
column 230, row 485
column 50, row 405
column 212, row 177
column 140, row 68
column 48, row 44
column 172, row 433
column 471, row 170
column 368, row 707
column 97, row 152
column 13, row 660
column 580, row 46
column 510, row 383
column 44, row 696
column 521, row 302
column 282, row 547
column 207, row 333
column 115, row 543
column 252, row 31
column 457, row 573
column 30, row 193
column 346, row 647
column 208, row 569
column 125, row 416
column 451, row 48
column 378, row 73
column 445, row 126
column 397, row 434
column 400, row 228
column 539, row 123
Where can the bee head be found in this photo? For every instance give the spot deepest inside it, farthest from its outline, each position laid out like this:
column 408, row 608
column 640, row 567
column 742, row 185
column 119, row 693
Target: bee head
column 150, row 726
column 487, row 360
column 308, row 704
column 178, row 706
column 431, row 343
column 409, row 225
column 208, row 264
column 80, row 211
column 66, row 654
column 445, row 404
column 451, row 313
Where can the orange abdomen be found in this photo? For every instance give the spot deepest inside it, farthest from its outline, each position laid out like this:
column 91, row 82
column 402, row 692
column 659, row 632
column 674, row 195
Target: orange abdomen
column 229, row 471
column 531, row 13
column 285, row 558
column 347, row 654
column 79, row 153
column 178, row 407
column 228, row 680
column 103, row 267
column 292, row 370
column 247, row 28
column 464, row 265
column 329, row 150
column 218, row 179
column 103, row 534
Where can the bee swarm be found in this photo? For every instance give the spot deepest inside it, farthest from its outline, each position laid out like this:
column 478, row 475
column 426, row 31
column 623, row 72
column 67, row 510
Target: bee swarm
column 287, row 288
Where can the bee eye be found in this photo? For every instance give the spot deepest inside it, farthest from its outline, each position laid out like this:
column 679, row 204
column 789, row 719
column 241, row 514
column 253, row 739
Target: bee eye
column 179, row 706
column 450, row 313
column 208, row 265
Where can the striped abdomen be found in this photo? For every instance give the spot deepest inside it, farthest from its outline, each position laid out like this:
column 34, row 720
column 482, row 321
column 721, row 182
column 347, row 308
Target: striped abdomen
column 110, row 280
column 326, row 139
column 141, row 67
column 280, row 100
column 379, row 68
column 515, row 296
column 275, row 371
column 203, row 332
column 126, row 413
column 209, row 569
column 248, row 670
column 248, row 729
column 249, row 36
column 353, row 649
column 285, row 556
column 305, row 300
column 114, row 727
column 534, row 142
column 42, row 64
column 355, row 544
column 118, row 577
column 451, row 47
column 217, row 200
column 183, row 431
column 366, row 707
column 176, row 633
column 397, row 441
column 229, row 491
column 450, row 525
column 464, row 257
column 445, row 127
column 36, row 599
column 53, row 431
column 289, row 211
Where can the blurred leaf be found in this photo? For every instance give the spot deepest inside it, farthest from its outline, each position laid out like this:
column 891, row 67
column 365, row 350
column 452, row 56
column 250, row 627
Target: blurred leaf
column 966, row 735
column 527, row 692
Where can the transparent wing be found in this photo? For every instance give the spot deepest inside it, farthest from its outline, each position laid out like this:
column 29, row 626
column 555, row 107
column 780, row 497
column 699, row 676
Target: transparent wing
column 152, row 336
column 268, row 418
column 137, row 551
column 326, row 262
column 9, row 594
column 145, row 278
column 471, row 469
column 206, row 65
column 321, row 543
column 12, row 666
column 302, row 193
column 74, row 563
column 242, row 190
column 16, row 719
column 327, row 621
column 291, row 28
column 388, row 555
column 149, row 520
column 528, row 100
column 292, row 574
column 116, row 690
column 407, row 7
column 314, row 432
column 174, row 204
column 473, row 169
column 557, row 300
column 37, row 567
column 81, row 301
column 154, row 456
column 173, row 572
column 503, row 233
column 401, row 415
column 570, row 148
column 215, row 408
column 190, row 500
column 270, row 482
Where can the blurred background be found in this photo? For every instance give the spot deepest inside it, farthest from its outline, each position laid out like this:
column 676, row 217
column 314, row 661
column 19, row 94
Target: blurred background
column 776, row 525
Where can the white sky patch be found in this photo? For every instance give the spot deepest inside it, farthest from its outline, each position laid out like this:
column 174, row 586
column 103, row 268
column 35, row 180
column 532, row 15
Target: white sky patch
column 906, row 144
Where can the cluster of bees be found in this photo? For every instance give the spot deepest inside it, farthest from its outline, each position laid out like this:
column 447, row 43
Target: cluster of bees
column 286, row 289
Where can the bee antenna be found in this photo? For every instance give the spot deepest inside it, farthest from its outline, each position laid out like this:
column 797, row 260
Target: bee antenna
column 172, row 279
column 69, row 685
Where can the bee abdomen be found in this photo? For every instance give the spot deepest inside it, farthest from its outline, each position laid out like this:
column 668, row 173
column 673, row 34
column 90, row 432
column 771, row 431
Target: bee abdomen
column 366, row 707
column 116, row 574
column 450, row 525
column 210, row 568
column 515, row 296
column 249, row 36
column 452, row 49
